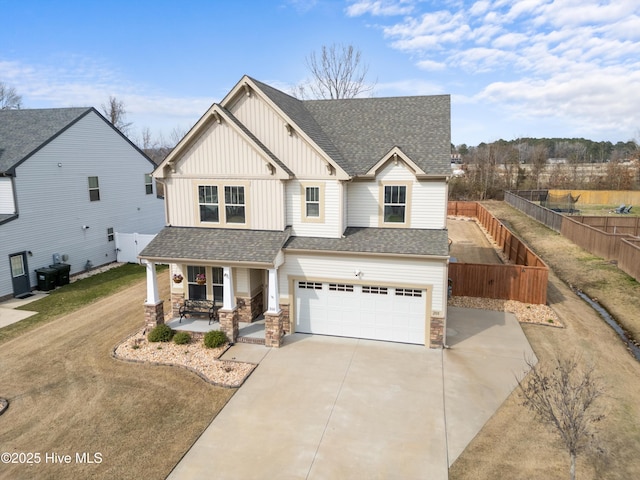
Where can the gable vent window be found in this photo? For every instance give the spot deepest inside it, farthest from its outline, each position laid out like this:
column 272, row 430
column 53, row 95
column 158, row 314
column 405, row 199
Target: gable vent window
column 310, row 285
column 208, row 203
column 234, row 204
column 94, row 189
column 408, row 292
column 340, row 287
column 375, row 290
column 110, row 234
column 395, row 203
column 148, row 184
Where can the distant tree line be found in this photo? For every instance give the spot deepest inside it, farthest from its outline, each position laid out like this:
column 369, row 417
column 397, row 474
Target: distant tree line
column 530, row 163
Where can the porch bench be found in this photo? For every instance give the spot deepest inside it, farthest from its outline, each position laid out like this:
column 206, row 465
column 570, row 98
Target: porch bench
column 199, row 307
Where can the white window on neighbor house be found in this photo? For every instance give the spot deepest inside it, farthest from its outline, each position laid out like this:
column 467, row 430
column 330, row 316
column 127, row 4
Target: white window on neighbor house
column 395, row 203
column 209, row 203
column 312, row 202
column 110, row 234
column 234, row 204
column 94, row 189
column 148, row 184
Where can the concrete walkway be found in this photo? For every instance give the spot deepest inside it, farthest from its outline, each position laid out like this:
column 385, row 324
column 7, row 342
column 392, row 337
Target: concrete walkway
column 9, row 314
column 328, row 407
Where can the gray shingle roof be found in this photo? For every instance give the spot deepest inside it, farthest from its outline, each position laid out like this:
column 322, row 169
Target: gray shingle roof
column 365, row 129
column 22, row 132
column 356, row 133
column 399, row 241
column 216, row 245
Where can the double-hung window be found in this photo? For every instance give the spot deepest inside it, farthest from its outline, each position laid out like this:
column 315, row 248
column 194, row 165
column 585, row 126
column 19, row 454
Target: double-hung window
column 208, row 202
column 312, row 202
column 395, row 203
column 148, row 184
column 234, row 204
column 94, row 189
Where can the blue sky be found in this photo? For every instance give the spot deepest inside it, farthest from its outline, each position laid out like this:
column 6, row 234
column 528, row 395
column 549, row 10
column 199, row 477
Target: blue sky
column 534, row 68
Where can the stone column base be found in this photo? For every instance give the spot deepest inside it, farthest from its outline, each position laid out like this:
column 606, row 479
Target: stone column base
column 153, row 315
column 273, row 331
column 229, row 323
column 436, row 332
column 177, row 299
column 286, row 322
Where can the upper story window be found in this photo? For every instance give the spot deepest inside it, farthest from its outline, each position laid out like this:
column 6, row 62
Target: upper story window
column 94, row 189
column 110, row 234
column 148, row 184
column 234, row 204
column 395, row 203
column 312, row 202
column 208, row 202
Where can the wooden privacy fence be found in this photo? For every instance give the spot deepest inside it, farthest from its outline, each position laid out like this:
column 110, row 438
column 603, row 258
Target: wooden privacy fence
column 525, row 281
column 551, row 219
column 613, row 238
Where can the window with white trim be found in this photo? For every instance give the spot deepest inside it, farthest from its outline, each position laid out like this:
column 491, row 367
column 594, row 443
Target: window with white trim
column 110, row 234
column 395, row 203
column 375, row 290
column 94, row 189
column 217, row 280
column 148, row 184
column 312, row 202
column 234, row 204
column 208, row 203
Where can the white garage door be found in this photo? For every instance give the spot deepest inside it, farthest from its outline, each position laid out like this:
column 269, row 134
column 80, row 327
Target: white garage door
column 361, row 311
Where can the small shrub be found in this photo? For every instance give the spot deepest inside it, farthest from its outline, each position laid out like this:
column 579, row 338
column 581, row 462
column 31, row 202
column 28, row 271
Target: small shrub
column 161, row 333
column 181, row 338
column 215, row 339
column 550, row 320
column 136, row 346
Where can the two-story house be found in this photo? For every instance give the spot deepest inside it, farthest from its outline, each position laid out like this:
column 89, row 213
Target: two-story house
column 326, row 216
column 69, row 181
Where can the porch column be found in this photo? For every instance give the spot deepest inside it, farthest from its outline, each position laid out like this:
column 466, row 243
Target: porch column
column 228, row 314
column 152, row 284
column 153, row 306
column 274, row 292
column 228, row 295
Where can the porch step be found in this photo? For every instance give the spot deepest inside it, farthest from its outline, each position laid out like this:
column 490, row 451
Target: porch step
column 251, row 340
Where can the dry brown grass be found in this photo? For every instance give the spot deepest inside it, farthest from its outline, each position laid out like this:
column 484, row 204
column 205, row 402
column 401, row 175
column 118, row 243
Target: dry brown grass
column 513, row 444
column 67, row 394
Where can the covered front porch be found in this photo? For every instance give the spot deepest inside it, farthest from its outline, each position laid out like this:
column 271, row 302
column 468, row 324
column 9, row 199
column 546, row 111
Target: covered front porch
column 235, row 271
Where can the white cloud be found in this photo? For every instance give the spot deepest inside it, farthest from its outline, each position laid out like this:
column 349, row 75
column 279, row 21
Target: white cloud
column 379, row 8
column 431, row 65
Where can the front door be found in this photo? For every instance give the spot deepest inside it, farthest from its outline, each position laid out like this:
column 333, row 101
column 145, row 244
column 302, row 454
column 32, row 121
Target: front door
column 19, row 273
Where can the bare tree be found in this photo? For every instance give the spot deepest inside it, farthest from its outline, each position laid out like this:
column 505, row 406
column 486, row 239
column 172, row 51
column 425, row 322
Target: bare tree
column 338, row 72
column 116, row 113
column 9, row 98
column 564, row 396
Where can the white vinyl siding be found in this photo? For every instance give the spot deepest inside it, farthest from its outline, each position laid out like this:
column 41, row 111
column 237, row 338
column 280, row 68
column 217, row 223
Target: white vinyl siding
column 299, row 156
column 6, row 196
column 427, row 203
column 264, row 202
column 406, row 273
column 332, row 208
column 90, row 147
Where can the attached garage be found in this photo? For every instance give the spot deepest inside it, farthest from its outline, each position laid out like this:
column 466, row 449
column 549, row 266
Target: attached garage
column 376, row 312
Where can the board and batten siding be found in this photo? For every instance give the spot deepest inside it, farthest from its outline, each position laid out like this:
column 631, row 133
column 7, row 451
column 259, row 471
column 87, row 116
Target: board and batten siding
column 6, row 197
column 428, row 202
column 331, row 199
column 375, row 270
column 265, row 201
column 270, row 127
column 53, row 200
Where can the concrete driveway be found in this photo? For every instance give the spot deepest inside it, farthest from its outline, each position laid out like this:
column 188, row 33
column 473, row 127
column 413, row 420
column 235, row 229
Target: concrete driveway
column 328, row 407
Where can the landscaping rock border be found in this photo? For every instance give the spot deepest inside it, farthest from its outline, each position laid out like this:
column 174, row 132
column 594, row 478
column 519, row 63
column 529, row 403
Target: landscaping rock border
column 4, row 404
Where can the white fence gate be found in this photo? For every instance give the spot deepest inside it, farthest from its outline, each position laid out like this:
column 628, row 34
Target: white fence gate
column 129, row 245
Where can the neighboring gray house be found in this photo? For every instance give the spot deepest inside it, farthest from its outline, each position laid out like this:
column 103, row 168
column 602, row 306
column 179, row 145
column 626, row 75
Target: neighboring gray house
column 69, row 181
column 325, row 216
